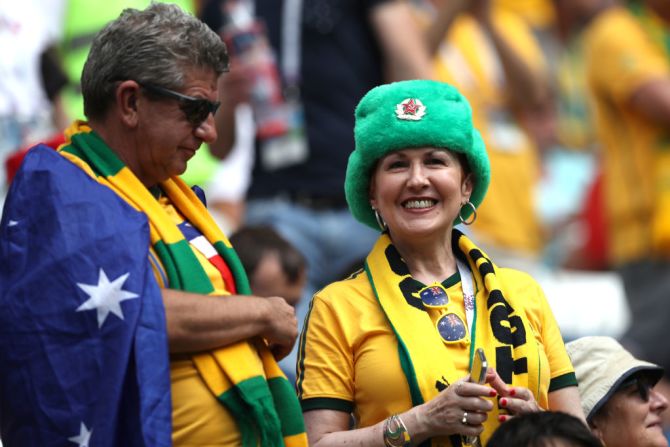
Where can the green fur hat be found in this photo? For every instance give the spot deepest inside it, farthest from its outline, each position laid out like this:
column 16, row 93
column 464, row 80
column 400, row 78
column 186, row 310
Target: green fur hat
column 408, row 114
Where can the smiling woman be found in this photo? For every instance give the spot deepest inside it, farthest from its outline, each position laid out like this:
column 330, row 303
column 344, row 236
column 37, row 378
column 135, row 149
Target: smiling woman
column 392, row 345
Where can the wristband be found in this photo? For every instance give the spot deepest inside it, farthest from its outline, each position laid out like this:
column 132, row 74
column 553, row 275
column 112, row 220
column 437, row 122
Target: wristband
column 395, row 432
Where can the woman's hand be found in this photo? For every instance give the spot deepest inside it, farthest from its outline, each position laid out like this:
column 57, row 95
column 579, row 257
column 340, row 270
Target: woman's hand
column 516, row 400
column 459, row 409
column 520, row 400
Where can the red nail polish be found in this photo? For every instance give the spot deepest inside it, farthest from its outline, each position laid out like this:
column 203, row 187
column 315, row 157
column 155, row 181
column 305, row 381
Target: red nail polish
column 502, row 418
column 503, row 402
column 493, row 393
column 512, row 392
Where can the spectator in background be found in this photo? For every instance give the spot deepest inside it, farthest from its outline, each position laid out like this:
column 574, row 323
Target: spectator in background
column 543, row 429
column 30, row 77
column 537, row 13
column 627, row 67
column 329, row 53
column 618, row 393
column 229, row 179
column 492, row 57
column 273, row 265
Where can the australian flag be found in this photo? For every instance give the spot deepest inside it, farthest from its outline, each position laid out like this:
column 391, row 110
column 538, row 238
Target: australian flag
column 83, row 345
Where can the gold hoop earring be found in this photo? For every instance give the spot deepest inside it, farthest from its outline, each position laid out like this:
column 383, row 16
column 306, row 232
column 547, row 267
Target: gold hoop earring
column 380, row 220
column 473, row 217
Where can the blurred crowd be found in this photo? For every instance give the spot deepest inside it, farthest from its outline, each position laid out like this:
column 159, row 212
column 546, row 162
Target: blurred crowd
column 572, row 98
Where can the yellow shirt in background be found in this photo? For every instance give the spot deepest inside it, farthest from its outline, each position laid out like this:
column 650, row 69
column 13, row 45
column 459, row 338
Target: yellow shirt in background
column 616, row 67
column 538, row 14
column 507, row 218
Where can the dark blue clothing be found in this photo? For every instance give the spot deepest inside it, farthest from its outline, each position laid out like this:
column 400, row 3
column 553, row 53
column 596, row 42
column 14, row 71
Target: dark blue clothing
column 83, row 342
column 340, row 62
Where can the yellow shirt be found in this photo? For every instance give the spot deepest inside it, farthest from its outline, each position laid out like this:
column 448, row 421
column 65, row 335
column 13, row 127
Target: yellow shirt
column 348, row 356
column 467, row 59
column 538, row 13
column 616, row 67
column 198, row 418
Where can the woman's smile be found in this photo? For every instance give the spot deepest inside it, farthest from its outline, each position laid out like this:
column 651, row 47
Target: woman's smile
column 419, row 190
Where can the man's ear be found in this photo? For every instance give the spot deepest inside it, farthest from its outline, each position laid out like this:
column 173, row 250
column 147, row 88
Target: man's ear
column 127, row 98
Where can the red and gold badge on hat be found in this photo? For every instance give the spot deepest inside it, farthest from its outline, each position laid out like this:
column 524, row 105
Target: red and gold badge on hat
column 411, row 109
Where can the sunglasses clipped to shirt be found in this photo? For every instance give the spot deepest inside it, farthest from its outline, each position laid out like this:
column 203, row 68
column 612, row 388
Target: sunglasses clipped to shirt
column 196, row 110
column 450, row 326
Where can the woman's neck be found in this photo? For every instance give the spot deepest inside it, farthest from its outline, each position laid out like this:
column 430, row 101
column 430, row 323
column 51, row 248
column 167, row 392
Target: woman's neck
column 428, row 261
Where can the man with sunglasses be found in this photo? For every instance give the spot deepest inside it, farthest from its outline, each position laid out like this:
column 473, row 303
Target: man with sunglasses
column 125, row 318
column 617, row 391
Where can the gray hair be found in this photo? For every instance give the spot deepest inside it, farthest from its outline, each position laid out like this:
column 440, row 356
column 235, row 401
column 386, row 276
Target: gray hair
column 156, row 45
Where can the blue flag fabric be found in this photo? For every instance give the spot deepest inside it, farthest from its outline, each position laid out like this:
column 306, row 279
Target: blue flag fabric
column 83, row 345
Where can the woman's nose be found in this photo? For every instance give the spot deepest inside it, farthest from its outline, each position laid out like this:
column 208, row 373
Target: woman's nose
column 417, row 176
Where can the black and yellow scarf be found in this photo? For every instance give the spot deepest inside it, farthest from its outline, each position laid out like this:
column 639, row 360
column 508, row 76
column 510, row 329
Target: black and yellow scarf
column 258, row 395
column 503, row 332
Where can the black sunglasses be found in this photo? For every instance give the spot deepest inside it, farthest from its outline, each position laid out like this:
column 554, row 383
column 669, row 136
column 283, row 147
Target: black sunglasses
column 642, row 383
column 196, row 110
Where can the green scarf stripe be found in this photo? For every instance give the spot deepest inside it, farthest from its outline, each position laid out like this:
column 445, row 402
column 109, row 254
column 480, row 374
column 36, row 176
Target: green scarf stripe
column 103, row 161
column 256, row 393
column 405, row 360
column 291, row 418
column 174, row 282
column 235, row 265
column 473, row 334
column 403, row 355
column 245, row 423
column 539, row 367
column 72, row 149
column 191, row 275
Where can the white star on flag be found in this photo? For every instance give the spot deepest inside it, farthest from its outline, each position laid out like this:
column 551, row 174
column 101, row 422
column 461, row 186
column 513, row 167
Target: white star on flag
column 83, row 438
column 106, row 296
column 12, row 223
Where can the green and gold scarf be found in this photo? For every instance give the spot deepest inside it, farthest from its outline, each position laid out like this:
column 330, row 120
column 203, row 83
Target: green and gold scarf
column 503, row 333
column 256, row 392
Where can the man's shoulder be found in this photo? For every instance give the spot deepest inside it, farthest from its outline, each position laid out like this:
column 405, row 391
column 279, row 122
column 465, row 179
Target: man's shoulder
column 50, row 193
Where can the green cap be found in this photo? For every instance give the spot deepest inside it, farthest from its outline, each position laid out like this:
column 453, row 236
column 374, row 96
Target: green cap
column 407, row 114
